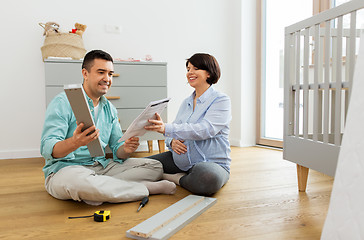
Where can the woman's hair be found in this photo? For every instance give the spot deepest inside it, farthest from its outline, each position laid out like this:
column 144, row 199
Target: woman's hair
column 208, row 63
column 89, row 58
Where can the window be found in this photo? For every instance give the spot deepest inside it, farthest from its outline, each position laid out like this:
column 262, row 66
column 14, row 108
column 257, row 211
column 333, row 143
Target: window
column 270, row 90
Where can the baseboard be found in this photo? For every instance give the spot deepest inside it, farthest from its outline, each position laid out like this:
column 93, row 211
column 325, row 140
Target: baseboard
column 33, row 153
column 143, row 147
column 240, row 143
column 29, row 153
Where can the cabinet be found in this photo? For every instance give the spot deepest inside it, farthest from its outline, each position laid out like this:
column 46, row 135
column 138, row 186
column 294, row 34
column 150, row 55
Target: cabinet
column 135, row 84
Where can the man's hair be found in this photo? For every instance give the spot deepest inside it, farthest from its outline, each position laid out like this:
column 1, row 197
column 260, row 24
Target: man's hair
column 89, row 58
column 208, row 63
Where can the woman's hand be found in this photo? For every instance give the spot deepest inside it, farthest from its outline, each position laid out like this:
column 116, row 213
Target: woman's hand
column 157, row 124
column 178, row 146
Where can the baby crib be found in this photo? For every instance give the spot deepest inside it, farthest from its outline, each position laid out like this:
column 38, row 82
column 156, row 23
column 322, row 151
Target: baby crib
column 320, row 54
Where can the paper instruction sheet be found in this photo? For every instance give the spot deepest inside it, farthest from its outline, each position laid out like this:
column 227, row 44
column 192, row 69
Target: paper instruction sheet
column 136, row 128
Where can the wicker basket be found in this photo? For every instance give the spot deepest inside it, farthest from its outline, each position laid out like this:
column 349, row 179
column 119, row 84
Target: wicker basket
column 63, row 45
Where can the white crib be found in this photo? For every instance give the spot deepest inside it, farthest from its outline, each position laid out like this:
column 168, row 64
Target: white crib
column 319, row 65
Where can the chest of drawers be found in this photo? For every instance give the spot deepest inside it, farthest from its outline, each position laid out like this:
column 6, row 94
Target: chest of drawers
column 135, row 84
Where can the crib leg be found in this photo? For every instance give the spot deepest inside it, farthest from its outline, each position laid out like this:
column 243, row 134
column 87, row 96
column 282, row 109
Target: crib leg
column 302, row 175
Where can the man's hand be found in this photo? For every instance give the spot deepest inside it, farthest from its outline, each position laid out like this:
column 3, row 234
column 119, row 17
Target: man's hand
column 178, row 146
column 82, row 138
column 79, row 138
column 157, row 124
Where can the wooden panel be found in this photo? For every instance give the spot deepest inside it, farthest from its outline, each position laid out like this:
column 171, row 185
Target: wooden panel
column 172, row 219
column 315, row 155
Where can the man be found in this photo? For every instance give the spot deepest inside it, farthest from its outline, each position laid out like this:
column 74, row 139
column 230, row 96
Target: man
column 70, row 171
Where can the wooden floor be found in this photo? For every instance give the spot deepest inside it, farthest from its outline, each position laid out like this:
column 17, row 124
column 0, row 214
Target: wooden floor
column 261, row 201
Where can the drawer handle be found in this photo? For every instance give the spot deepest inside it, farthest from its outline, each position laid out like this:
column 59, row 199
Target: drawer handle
column 116, row 74
column 112, row 97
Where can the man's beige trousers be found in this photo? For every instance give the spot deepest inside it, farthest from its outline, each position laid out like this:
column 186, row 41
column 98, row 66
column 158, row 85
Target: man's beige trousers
column 115, row 183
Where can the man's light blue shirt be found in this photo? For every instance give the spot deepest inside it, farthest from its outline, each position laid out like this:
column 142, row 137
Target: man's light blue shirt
column 205, row 130
column 60, row 123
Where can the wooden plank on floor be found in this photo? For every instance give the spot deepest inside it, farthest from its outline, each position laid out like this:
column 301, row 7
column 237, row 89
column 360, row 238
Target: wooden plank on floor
column 167, row 222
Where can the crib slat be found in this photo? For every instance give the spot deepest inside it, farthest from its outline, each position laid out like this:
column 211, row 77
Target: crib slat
column 315, row 83
column 338, row 81
column 305, row 82
column 297, row 92
column 320, row 81
column 347, row 61
column 288, row 93
column 291, row 57
column 326, row 83
column 346, row 80
column 350, row 65
column 347, row 96
column 332, row 82
column 332, row 116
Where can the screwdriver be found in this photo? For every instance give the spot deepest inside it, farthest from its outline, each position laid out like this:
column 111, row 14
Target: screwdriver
column 143, row 203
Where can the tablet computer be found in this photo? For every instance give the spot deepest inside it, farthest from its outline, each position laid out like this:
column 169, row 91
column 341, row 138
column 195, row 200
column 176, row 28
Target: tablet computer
column 78, row 101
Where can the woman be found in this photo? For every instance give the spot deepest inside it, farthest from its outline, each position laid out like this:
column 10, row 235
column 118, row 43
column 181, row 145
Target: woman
column 198, row 159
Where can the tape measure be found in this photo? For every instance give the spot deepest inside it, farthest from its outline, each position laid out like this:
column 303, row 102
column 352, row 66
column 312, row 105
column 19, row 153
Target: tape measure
column 99, row 216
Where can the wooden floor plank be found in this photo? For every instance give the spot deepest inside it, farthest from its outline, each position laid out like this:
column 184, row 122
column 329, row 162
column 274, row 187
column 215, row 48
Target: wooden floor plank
column 260, row 201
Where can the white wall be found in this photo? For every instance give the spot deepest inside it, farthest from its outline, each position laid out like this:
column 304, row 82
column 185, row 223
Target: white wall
column 169, row 30
column 247, row 77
